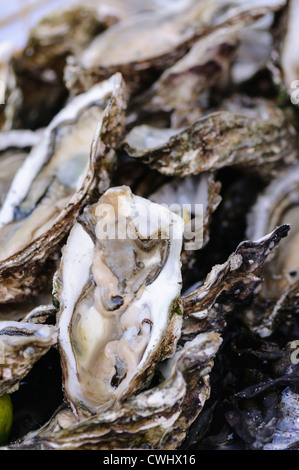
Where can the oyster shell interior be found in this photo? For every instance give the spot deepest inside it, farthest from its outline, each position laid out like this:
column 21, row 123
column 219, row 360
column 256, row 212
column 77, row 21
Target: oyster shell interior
column 279, row 204
column 117, row 317
column 192, row 114
column 289, row 59
column 52, row 172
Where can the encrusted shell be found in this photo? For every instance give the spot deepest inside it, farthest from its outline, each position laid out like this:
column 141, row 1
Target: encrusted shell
column 259, row 137
column 279, row 296
column 229, row 285
column 157, row 418
column 164, row 36
column 21, row 345
column 23, row 270
column 180, row 88
column 39, row 67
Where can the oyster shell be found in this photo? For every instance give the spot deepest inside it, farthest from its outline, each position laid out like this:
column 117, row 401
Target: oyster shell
column 118, row 290
column 180, row 87
column 254, row 52
column 157, row 418
column 279, row 296
column 229, row 286
column 286, row 433
column 259, row 137
column 10, row 94
column 21, row 345
column 185, row 196
column 38, row 68
column 14, row 147
column 287, row 57
column 56, row 179
column 195, row 198
column 164, row 36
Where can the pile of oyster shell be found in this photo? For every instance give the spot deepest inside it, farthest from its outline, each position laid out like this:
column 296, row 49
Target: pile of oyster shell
column 126, row 116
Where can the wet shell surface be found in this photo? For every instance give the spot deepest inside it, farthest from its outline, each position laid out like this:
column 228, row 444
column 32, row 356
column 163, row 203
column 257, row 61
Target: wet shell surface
column 278, row 204
column 54, row 181
column 165, row 35
column 21, row 345
column 149, row 227
column 160, row 416
column 258, row 137
column 119, row 298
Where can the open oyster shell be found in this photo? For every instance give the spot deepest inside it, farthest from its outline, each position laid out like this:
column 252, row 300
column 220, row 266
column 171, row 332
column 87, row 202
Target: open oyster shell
column 217, row 60
column 160, row 416
column 157, row 418
column 21, row 345
column 279, row 296
column 180, row 88
column 118, row 289
column 259, row 137
column 57, row 178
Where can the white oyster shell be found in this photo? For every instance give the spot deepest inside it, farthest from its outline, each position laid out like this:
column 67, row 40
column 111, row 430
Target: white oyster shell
column 278, row 204
column 289, row 57
column 119, row 298
column 72, row 159
column 157, row 418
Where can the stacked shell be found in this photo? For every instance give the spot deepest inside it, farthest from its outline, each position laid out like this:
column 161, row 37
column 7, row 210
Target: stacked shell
column 119, row 122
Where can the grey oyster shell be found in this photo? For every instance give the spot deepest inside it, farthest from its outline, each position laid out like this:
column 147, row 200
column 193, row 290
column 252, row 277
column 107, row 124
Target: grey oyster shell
column 259, row 138
column 55, row 181
column 178, row 27
column 39, row 67
column 10, row 94
column 181, row 87
column 286, row 433
column 14, row 148
column 284, row 61
column 157, row 418
column 279, row 296
column 229, row 286
column 21, row 345
column 118, row 289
